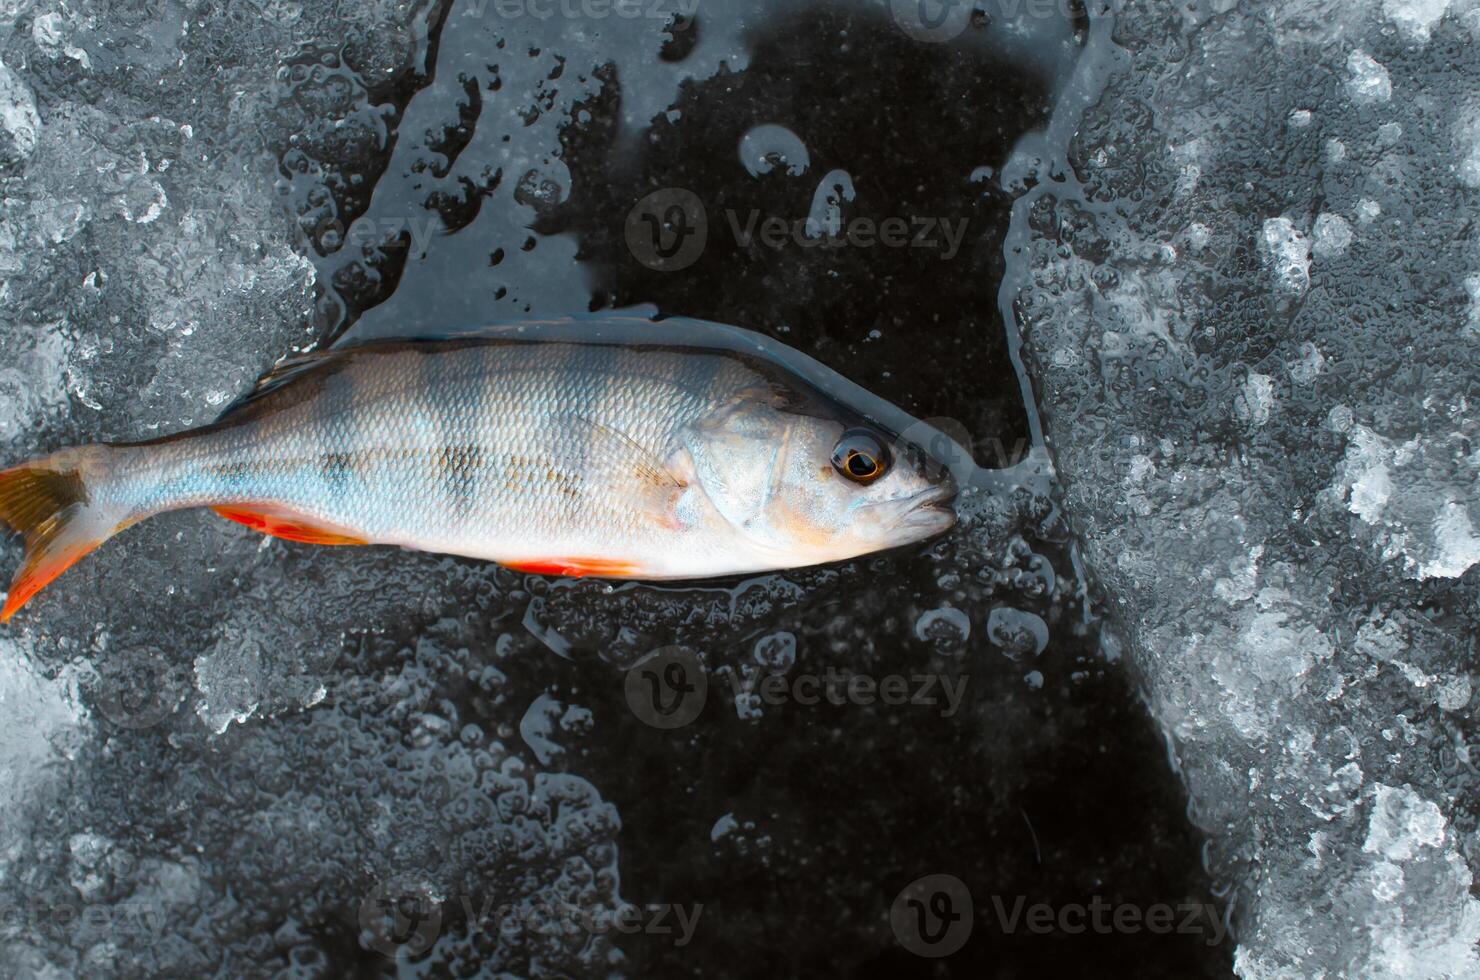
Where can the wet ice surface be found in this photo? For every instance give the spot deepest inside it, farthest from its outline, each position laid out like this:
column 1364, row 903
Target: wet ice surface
column 1249, row 326
column 1252, row 362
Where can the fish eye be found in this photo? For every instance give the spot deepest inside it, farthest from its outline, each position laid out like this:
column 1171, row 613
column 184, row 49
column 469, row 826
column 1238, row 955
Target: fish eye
column 860, row 456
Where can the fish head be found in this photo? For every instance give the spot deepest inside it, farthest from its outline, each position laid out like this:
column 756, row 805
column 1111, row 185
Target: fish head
column 810, row 487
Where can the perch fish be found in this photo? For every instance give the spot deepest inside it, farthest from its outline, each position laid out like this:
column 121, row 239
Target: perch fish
column 615, row 447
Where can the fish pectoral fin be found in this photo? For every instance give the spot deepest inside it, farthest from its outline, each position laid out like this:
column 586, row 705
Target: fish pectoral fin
column 287, row 525
column 616, row 460
column 576, row 567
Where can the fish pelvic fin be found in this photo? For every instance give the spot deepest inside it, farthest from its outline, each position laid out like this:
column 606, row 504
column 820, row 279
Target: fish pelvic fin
column 46, row 502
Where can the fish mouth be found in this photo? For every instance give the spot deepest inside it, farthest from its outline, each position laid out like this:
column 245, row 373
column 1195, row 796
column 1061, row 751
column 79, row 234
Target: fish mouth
column 929, row 511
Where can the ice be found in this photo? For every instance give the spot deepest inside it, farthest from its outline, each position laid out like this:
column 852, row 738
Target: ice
column 1402, row 822
column 1417, row 495
column 1296, row 587
column 1467, row 138
column 1333, row 235
column 41, row 721
column 1288, row 251
column 768, row 146
column 1257, row 401
column 1259, row 416
column 1415, row 18
column 1367, row 81
column 19, row 121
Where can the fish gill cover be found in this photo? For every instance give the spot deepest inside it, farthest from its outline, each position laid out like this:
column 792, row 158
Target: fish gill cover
column 1216, row 657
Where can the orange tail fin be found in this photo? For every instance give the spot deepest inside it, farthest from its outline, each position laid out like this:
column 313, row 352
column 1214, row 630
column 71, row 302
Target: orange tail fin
column 49, row 509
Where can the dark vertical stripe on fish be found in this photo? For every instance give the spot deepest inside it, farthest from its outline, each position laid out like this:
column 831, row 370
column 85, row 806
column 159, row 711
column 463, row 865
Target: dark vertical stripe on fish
column 333, row 415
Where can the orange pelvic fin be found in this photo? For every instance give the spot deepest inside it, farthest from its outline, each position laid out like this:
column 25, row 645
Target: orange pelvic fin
column 576, row 567
column 289, row 527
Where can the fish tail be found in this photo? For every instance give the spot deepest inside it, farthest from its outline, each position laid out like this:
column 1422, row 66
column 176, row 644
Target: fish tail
column 47, row 502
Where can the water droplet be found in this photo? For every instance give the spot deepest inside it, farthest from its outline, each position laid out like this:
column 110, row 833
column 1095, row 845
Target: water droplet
column 767, row 146
column 776, row 652
column 1017, row 632
column 946, row 628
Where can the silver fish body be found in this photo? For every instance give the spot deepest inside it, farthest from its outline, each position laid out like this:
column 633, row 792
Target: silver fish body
column 622, row 448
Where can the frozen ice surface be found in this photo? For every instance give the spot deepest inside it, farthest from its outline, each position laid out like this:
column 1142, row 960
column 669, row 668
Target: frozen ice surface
column 1415, row 18
column 1275, row 471
column 1260, row 416
column 19, row 122
column 1288, row 250
column 1333, row 235
column 147, row 277
column 1367, row 80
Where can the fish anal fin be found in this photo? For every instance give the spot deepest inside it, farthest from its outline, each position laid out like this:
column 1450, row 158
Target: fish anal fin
column 576, row 567
column 289, row 527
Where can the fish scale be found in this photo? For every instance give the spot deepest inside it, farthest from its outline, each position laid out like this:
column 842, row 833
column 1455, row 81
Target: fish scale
column 408, row 427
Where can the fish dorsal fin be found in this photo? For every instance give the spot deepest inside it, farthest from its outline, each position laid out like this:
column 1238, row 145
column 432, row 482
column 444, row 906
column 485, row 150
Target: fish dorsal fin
column 289, row 368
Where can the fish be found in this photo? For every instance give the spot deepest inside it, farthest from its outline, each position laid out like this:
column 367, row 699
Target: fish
column 615, row 447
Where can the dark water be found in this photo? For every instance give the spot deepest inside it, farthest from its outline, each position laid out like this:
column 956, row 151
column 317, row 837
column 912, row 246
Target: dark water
column 794, row 826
